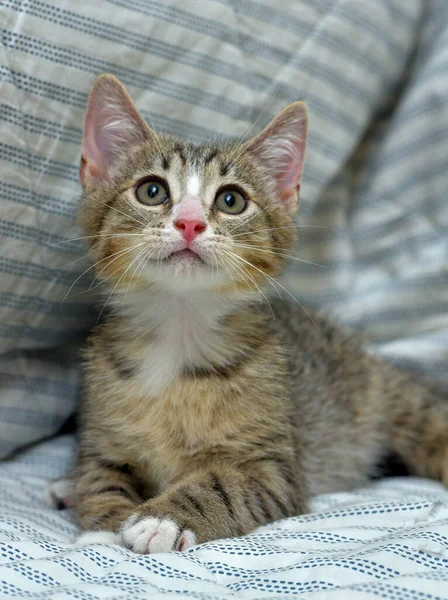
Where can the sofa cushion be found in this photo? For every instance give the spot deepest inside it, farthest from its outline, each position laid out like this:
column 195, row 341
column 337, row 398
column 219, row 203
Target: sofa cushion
column 373, row 197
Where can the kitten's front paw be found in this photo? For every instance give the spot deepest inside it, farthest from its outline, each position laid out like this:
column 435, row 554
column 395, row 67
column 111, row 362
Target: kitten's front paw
column 147, row 535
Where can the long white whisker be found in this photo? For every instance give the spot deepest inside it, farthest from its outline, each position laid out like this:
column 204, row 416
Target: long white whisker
column 237, row 256
column 87, row 270
column 244, row 223
column 111, row 275
column 103, row 281
column 141, row 265
column 117, row 255
column 243, row 271
column 122, row 213
column 228, row 271
column 258, row 249
column 260, row 289
column 215, row 269
column 294, row 227
column 73, row 262
column 86, row 237
column 114, row 288
column 145, row 258
column 141, row 253
column 276, row 283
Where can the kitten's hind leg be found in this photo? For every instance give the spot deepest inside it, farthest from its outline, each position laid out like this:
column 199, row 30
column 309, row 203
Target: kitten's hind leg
column 418, row 421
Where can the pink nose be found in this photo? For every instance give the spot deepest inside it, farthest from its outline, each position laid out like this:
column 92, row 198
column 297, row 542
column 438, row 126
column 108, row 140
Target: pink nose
column 189, row 229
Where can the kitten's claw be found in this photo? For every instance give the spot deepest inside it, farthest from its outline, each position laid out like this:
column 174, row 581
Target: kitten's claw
column 59, row 493
column 149, row 535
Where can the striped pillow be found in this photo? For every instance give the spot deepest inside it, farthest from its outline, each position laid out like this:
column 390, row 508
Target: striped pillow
column 207, row 70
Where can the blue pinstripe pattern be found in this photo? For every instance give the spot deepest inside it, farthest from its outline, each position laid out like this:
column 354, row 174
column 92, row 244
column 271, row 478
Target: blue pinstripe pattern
column 68, row 310
column 79, row 60
column 387, row 540
column 28, row 270
column 24, row 158
column 34, row 236
column 45, row 89
column 71, row 98
column 44, row 336
column 54, row 206
column 374, row 185
column 284, row 20
column 248, row 44
column 39, row 384
column 39, row 126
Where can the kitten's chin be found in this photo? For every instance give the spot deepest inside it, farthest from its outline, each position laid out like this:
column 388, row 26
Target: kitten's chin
column 184, row 257
column 184, row 270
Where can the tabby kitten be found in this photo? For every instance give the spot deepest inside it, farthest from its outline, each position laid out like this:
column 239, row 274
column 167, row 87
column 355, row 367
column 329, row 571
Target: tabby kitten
column 205, row 414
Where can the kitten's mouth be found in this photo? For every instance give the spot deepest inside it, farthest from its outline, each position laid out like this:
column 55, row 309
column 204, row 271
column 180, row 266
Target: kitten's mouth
column 186, row 255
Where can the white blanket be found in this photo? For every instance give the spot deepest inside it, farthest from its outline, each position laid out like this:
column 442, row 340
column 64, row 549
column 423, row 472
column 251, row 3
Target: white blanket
column 373, row 210
column 389, row 540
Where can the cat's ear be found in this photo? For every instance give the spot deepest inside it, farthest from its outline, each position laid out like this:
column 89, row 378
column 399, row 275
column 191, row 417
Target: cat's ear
column 281, row 149
column 112, row 125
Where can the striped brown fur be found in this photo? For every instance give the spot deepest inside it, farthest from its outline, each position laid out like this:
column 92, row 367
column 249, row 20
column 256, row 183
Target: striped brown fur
column 204, row 416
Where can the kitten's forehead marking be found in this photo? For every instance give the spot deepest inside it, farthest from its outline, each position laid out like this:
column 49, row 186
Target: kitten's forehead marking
column 193, row 185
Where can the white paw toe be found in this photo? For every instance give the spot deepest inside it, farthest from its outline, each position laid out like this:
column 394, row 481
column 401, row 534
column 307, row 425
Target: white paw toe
column 186, row 540
column 89, row 538
column 59, row 494
column 150, row 535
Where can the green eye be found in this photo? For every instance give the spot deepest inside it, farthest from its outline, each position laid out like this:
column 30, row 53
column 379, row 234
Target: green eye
column 152, row 193
column 230, row 202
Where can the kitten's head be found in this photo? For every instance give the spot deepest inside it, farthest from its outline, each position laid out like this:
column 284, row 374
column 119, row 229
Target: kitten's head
column 167, row 213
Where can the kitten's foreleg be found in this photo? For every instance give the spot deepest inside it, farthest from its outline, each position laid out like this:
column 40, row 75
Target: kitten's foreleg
column 215, row 502
column 104, row 495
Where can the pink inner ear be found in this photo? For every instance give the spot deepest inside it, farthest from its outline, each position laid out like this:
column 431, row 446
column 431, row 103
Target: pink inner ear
column 92, row 159
column 289, row 178
column 112, row 125
column 281, row 148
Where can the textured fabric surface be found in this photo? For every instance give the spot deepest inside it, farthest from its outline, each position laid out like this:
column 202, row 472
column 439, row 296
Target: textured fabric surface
column 388, row 540
column 373, row 205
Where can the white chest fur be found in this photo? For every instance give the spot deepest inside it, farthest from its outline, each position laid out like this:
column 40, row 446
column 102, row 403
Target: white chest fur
column 185, row 331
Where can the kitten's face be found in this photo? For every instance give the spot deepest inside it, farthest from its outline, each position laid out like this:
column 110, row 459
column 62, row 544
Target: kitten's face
column 185, row 216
